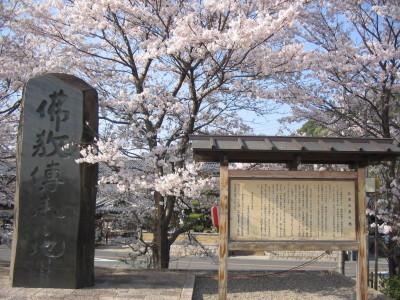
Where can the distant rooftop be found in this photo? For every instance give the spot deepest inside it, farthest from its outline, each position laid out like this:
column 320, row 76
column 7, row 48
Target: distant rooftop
column 288, row 149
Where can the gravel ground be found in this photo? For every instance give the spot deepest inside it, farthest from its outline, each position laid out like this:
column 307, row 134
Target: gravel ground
column 308, row 285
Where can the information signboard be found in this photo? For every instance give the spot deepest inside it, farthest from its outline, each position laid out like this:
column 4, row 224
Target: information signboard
column 268, row 209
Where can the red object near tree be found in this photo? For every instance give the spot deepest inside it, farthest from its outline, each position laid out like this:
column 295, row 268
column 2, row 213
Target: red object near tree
column 215, row 216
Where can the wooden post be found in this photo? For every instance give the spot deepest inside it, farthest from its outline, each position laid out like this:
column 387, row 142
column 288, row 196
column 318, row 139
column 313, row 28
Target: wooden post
column 362, row 271
column 341, row 263
column 376, row 248
column 223, row 232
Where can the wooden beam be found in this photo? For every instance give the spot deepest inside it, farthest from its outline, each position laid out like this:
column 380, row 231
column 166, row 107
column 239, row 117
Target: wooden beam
column 293, row 245
column 362, row 271
column 223, row 232
column 294, row 164
column 292, row 174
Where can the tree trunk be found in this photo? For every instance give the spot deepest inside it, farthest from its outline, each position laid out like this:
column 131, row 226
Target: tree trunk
column 392, row 266
column 160, row 236
column 161, row 247
column 392, row 251
column 376, row 250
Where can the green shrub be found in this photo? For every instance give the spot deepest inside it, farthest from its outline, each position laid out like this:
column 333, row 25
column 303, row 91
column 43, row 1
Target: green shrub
column 391, row 287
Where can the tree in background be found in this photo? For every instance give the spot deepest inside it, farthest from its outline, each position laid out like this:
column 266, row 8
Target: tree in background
column 350, row 85
column 312, row 128
column 9, row 87
column 165, row 70
column 22, row 56
column 168, row 69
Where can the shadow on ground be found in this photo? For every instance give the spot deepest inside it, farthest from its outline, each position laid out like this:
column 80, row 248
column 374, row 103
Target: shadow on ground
column 128, row 278
column 110, row 284
column 138, row 279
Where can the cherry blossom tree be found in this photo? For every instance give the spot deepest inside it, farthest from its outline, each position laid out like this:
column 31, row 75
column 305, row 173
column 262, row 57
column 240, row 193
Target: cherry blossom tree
column 9, row 88
column 23, row 55
column 350, row 85
column 165, row 70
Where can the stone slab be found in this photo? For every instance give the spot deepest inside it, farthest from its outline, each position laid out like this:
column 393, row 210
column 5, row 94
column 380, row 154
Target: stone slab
column 53, row 244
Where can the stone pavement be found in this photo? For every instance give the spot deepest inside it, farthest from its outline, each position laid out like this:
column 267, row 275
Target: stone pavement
column 111, row 284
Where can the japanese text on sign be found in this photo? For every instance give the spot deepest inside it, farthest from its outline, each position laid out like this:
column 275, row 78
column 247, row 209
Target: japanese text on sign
column 271, row 209
column 49, row 148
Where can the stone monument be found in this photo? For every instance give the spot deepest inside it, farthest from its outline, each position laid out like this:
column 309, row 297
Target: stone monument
column 53, row 245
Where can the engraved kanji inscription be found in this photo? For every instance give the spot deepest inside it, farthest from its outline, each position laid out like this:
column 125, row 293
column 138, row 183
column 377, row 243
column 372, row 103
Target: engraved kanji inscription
column 52, row 178
column 48, row 246
column 56, row 196
column 55, row 109
column 52, row 144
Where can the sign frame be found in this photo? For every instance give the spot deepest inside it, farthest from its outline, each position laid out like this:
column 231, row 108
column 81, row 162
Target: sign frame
column 296, row 244
column 225, row 244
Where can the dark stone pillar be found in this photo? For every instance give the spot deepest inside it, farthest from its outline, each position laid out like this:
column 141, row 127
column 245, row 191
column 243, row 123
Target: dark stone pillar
column 53, row 245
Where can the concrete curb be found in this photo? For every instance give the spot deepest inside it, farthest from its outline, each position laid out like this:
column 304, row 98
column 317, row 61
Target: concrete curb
column 187, row 291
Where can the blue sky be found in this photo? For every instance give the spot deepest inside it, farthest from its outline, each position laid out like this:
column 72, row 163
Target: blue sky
column 269, row 124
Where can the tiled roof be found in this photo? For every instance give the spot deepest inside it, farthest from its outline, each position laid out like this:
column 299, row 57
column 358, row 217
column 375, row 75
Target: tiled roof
column 286, row 149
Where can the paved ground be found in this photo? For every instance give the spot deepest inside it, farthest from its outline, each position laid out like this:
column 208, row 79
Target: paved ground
column 111, row 284
column 310, row 285
column 112, row 257
column 115, row 281
column 260, row 263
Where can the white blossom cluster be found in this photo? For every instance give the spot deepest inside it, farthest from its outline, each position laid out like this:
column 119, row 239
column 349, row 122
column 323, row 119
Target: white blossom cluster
column 385, row 209
column 165, row 70
column 184, row 181
column 349, row 76
column 382, row 228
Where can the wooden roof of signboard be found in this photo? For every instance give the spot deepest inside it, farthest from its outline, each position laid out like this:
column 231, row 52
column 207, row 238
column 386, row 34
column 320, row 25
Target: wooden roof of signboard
column 288, row 149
